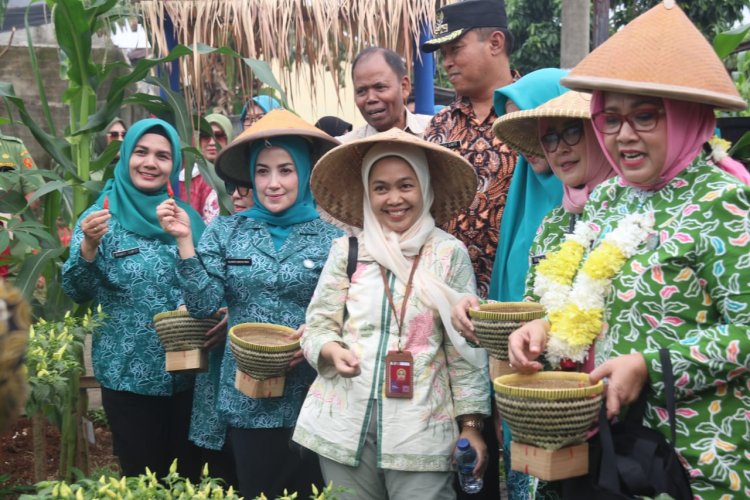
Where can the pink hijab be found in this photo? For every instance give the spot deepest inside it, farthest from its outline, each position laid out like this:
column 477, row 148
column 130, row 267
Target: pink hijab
column 598, row 169
column 689, row 126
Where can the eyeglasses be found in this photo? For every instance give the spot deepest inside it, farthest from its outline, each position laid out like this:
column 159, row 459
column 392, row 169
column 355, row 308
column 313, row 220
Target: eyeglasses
column 116, row 135
column 571, row 135
column 242, row 190
column 642, row 119
column 251, row 118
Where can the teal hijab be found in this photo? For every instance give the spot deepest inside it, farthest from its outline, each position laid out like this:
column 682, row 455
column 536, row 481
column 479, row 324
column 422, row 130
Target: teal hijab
column 280, row 224
column 136, row 209
column 531, row 196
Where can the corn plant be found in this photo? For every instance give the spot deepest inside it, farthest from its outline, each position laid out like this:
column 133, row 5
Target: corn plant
column 69, row 189
column 725, row 44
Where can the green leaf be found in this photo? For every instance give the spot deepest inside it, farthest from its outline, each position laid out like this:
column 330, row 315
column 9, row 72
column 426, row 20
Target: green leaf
column 116, row 93
column 741, row 149
column 74, row 38
column 182, row 119
column 57, row 148
column 32, row 267
column 37, row 74
column 47, row 188
column 726, row 42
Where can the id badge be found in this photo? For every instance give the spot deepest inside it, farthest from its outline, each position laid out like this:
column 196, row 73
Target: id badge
column 399, row 374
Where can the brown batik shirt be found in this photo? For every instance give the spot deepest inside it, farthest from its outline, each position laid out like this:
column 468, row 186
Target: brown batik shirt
column 477, row 226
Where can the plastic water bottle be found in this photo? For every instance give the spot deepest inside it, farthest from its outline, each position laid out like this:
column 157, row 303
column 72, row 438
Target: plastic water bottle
column 466, row 459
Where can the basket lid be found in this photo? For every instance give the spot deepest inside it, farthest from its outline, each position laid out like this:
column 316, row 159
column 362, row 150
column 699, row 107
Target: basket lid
column 263, row 337
column 551, row 386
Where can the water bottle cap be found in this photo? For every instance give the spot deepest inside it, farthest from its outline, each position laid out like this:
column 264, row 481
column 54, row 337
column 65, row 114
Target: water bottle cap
column 463, row 444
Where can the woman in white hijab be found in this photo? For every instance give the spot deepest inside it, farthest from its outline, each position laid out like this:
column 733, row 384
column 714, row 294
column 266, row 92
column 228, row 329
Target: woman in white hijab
column 397, row 385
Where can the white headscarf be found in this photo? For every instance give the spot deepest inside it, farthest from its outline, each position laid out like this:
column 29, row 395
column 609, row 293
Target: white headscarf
column 390, row 249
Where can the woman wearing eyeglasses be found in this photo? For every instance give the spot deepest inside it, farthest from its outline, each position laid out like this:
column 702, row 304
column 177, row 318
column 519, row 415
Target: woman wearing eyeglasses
column 264, row 264
column 670, row 239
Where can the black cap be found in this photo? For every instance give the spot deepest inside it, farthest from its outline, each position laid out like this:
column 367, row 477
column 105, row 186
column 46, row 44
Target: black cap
column 456, row 19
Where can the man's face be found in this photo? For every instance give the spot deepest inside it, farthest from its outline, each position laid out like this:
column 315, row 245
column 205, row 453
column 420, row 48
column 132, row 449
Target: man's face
column 380, row 94
column 466, row 61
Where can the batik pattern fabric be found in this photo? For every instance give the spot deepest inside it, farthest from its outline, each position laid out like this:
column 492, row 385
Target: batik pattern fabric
column 687, row 289
column 132, row 278
column 237, row 262
column 478, row 225
column 416, row 434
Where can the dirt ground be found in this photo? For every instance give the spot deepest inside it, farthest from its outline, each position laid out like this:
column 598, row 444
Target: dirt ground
column 17, row 458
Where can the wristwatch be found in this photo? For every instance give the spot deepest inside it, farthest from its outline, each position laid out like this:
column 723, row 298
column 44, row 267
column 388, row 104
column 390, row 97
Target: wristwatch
column 474, row 421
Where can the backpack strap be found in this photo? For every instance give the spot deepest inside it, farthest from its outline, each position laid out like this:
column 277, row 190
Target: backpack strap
column 351, row 262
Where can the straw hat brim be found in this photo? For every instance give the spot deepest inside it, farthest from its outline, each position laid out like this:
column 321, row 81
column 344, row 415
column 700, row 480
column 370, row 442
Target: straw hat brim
column 337, row 178
column 232, row 163
column 661, row 54
column 520, row 129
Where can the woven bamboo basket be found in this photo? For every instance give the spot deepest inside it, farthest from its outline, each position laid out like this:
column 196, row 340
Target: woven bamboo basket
column 178, row 331
column 549, row 410
column 495, row 321
column 261, row 349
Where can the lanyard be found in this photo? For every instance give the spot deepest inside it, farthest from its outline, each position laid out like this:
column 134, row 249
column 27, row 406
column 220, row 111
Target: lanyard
column 407, row 292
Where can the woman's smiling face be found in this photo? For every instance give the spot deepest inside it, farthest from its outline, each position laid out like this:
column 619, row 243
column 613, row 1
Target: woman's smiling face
column 395, row 194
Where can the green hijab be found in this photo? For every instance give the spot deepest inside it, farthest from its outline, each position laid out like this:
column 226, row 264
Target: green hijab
column 531, row 196
column 223, row 122
column 134, row 209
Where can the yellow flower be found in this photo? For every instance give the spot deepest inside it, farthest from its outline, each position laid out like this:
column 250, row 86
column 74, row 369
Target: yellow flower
column 578, row 327
column 604, row 262
column 562, row 265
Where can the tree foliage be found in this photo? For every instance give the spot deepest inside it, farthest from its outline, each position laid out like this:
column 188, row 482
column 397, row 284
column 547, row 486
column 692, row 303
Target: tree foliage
column 535, row 25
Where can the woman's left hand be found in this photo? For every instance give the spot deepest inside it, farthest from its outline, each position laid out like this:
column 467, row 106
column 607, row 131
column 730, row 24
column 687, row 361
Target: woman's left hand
column 625, row 378
column 298, row 357
column 477, row 442
column 218, row 333
column 173, row 219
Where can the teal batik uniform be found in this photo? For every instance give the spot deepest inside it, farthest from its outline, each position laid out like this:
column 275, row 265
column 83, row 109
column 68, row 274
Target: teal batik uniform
column 268, row 286
column 133, row 279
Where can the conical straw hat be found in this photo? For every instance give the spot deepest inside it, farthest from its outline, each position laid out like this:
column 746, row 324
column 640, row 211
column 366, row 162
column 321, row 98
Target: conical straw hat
column 336, row 180
column 520, row 131
column 232, row 164
column 660, row 53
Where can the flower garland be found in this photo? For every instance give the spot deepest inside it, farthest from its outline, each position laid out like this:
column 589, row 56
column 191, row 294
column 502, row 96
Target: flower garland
column 575, row 309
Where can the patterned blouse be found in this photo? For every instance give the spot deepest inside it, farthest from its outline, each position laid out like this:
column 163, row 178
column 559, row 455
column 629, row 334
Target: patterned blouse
column 416, row 434
column 477, row 226
column 688, row 289
column 237, row 262
column 133, row 278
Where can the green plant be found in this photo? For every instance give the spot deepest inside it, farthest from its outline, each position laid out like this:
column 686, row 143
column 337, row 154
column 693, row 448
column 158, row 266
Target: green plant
column 54, row 362
column 69, row 187
column 98, row 417
column 726, row 44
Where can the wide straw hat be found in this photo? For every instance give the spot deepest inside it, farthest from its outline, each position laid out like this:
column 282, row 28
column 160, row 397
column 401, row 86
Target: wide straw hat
column 520, row 129
column 660, row 53
column 232, row 164
column 336, row 180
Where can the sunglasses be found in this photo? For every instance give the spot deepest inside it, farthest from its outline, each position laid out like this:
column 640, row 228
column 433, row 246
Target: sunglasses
column 242, row 190
column 643, row 119
column 116, row 135
column 570, row 135
column 218, row 136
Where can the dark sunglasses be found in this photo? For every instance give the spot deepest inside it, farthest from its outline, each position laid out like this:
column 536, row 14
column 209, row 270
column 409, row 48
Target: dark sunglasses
column 242, row 190
column 571, row 135
column 218, row 136
column 643, row 119
column 116, row 135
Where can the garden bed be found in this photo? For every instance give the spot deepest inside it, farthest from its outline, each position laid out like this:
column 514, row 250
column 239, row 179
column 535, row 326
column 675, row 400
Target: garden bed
column 17, row 458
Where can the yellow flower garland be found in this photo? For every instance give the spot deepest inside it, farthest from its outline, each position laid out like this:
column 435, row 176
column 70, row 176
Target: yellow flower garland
column 575, row 299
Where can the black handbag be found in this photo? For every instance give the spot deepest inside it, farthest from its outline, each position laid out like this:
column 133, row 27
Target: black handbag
column 628, row 460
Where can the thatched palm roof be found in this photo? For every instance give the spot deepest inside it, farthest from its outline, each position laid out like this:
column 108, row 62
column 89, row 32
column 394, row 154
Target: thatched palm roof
column 319, row 33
